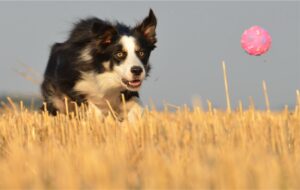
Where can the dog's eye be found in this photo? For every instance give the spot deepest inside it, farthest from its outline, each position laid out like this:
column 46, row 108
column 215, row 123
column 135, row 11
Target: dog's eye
column 141, row 53
column 121, row 54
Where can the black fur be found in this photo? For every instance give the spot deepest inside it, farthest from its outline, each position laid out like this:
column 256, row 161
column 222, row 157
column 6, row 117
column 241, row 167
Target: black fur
column 64, row 66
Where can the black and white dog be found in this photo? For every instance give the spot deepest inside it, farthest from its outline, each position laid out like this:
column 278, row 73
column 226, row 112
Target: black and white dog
column 98, row 63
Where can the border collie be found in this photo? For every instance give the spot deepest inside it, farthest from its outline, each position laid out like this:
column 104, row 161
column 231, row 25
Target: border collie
column 98, row 63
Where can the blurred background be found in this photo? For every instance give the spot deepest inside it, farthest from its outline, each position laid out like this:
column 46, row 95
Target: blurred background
column 193, row 39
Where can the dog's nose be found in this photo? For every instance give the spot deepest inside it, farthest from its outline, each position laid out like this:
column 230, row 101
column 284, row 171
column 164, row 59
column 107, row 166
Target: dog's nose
column 136, row 70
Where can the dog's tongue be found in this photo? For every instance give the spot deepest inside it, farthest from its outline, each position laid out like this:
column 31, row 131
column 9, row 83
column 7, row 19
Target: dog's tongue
column 135, row 83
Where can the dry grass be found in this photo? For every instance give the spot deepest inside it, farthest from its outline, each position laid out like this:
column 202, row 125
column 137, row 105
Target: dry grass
column 186, row 149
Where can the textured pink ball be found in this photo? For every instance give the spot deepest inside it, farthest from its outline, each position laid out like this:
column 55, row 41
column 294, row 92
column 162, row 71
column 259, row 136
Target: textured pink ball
column 256, row 40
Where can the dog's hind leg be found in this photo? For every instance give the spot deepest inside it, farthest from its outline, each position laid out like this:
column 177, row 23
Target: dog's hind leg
column 51, row 98
column 50, row 108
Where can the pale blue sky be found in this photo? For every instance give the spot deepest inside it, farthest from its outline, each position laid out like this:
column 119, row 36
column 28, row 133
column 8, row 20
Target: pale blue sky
column 193, row 39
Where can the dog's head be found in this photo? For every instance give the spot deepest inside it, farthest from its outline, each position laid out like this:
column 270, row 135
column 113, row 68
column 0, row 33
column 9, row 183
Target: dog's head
column 125, row 51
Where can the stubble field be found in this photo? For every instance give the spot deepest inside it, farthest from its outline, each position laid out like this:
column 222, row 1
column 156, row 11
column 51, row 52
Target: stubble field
column 185, row 149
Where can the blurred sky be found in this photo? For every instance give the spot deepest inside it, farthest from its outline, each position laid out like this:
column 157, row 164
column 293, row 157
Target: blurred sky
column 193, row 39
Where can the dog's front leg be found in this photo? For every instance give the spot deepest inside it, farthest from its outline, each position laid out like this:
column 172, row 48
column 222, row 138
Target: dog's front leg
column 94, row 110
column 134, row 109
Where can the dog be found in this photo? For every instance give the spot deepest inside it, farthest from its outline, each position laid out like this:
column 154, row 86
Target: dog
column 98, row 64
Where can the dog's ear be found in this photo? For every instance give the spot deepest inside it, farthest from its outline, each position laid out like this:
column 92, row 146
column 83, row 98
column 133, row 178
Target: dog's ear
column 105, row 32
column 147, row 27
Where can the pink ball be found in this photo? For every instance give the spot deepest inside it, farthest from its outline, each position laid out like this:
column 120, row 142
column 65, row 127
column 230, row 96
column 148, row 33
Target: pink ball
column 256, row 41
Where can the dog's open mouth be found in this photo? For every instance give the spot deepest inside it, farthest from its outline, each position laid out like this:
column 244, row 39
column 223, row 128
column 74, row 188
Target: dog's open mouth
column 132, row 84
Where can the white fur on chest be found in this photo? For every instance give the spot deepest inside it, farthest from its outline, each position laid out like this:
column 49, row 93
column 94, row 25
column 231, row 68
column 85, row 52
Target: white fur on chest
column 100, row 88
